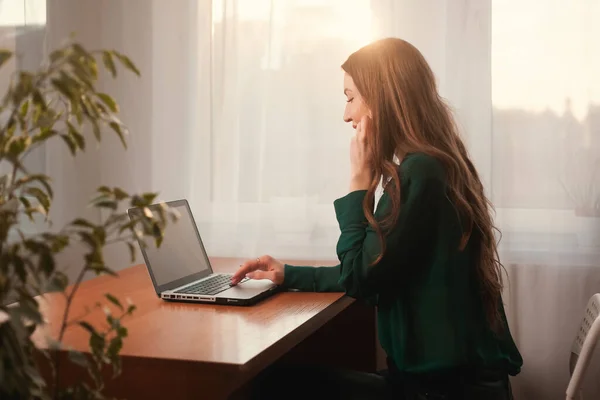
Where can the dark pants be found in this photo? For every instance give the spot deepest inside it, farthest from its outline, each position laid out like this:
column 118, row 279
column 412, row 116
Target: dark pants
column 315, row 383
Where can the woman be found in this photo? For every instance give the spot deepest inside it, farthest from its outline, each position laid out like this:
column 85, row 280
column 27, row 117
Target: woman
column 427, row 256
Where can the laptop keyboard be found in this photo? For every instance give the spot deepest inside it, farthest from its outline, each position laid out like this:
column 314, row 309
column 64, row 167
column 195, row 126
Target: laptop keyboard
column 213, row 285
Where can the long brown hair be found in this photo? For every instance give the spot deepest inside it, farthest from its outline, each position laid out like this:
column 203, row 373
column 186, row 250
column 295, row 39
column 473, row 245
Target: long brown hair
column 409, row 116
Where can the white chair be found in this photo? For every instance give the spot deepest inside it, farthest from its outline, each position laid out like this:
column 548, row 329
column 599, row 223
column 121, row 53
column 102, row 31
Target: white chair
column 583, row 346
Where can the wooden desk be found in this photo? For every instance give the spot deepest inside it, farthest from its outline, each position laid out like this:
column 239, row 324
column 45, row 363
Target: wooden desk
column 202, row 351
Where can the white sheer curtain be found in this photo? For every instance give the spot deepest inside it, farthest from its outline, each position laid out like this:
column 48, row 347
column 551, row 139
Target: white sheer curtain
column 239, row 109
column 277, row 137
column 22, row 31
column 546, row 178
column 546, row 129
column 279, row 147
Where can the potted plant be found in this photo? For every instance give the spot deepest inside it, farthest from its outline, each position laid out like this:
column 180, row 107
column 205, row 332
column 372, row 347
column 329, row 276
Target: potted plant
column 59, row 101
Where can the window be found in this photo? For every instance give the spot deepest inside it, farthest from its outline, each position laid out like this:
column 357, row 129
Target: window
column 22, row 31
column 546, row 120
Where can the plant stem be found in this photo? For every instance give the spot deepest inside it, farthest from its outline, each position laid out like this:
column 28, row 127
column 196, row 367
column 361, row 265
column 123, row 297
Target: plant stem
column 63, row 327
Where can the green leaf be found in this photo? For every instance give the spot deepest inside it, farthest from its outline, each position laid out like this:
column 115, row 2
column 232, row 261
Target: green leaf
column 40, row 195
column 38, row 100
column 86, row 325
column 82, row 74
column 92, row 66
column 142, row 201
column 114, row 300
column 115, row 346
column 120, row 194
column 89, row 109
column 83, row 223
column 25, row 201
column 36, row 209
column 127, row 63
column 97, row 344
column 76, row 135
column 46, row 263
column 21, row 116
column 83, row 63
column 5, row 55
column 78, row 358
column 132, row 251
column 44, row 134
column 28, row 308
column 71, row 82
column 77, row 112
column 103, row 111
column 131, row 309
column 59, row 243
column 110, row 204
column 23, row 88
column 70, row 143
column 88, row 238
column 100, row 235
column 109, row 101
column 57, row 55
column 17, row 145
column 11, row 127
column 104, row 190
column 79, row 50
column 122, row 331
column 36, row 246
column 19, row 267
column 58, row 283
column 24, row 108
column 96, row 129
column 43, row 179
column 109, row 63
column 117, row 128
column 64, row 89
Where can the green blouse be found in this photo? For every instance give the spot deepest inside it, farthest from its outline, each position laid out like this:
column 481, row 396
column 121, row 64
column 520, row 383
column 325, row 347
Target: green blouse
column 430, row 313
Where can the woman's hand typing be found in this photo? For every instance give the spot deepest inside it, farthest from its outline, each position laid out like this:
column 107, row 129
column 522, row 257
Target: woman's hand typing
column 264, row 267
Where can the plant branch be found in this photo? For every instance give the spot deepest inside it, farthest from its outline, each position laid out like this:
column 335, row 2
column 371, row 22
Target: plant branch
column 63, row 327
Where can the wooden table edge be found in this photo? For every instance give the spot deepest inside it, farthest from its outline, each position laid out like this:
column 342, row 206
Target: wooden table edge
column 259, row 361
column 294, row 338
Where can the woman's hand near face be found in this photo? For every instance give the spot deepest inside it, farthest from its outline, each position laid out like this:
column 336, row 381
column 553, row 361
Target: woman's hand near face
column 360, row 163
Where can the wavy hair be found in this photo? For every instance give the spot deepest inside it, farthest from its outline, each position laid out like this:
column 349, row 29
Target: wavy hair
column 399, row 87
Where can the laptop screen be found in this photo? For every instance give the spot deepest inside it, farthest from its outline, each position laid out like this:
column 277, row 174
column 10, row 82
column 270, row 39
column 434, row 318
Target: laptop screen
column 181, row 253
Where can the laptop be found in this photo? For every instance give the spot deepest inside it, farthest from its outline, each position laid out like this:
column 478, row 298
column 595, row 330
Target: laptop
column 181, row 271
